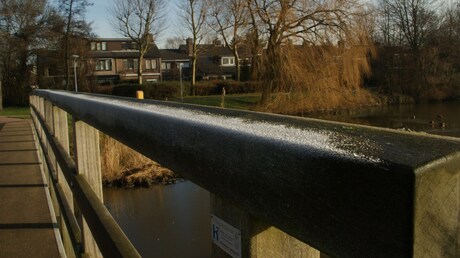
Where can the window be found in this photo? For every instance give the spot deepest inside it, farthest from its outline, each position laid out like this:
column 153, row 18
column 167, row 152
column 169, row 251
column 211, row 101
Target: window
column 165, row 66
column 228, row 61
column 104, row 65
column 245, row 62
column 130, row 64
column 99, row 46
column 129, row 45
column 150, row 64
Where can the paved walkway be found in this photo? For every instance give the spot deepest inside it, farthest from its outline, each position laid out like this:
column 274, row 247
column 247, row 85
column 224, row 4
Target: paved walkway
column 26, row 227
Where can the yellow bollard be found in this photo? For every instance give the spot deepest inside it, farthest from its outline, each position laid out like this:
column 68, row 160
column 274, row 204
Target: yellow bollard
column 139, row 94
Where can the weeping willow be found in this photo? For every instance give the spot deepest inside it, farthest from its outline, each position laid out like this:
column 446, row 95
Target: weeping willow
column 316, row 58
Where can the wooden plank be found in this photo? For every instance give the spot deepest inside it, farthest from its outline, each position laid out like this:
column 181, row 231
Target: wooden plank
column 26, row 226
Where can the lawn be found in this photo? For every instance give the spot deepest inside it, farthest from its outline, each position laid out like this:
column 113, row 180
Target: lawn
column 237, row 101
column 16, row 112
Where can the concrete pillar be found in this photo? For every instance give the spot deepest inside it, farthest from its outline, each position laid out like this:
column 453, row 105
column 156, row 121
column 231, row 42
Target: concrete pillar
column 257, row 238
column 88, row 161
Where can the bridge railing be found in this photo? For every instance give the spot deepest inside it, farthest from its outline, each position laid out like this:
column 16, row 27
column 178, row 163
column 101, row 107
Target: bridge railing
column 345, row 190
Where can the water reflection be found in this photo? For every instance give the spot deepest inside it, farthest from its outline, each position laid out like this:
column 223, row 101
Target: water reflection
column 164, row 221
column 433, row 118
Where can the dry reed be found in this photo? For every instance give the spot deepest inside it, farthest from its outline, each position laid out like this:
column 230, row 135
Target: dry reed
column 122, row 166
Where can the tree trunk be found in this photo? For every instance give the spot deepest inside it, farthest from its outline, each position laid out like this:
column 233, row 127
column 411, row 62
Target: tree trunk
column 193, row 79
column 266, row 93
column 139, row 69
column 237, row 62
column 19, row 90
column 66, row 62
column 271, row 69
column 1, row 95
column 66, row 47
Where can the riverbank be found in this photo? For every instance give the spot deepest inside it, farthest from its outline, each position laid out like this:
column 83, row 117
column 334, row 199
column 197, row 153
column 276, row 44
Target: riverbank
column 124, row 167
column 144, row 175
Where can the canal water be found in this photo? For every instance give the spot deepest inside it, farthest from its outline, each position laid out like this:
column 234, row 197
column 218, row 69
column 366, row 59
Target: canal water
column 174, row 220
column 433, row 118
column 164, row 221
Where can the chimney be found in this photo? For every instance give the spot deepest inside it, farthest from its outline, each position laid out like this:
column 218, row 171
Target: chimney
column 217, row 43
column 189, row 46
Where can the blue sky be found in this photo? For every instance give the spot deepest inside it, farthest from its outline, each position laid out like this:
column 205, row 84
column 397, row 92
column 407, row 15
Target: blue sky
column 100, row 16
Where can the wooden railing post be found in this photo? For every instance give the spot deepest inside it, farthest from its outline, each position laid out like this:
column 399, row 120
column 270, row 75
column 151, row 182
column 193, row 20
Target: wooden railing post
column 61, row 132
column 256, row 238
column 49, row 120
column 48, row 115
column 88, row 161
column 41, row 107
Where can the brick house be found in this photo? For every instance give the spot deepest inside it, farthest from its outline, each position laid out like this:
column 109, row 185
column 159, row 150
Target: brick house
column 171, row 62
column 216, row 61
column 116, row 60
column 108, row 61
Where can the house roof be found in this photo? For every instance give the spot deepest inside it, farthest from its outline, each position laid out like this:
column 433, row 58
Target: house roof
column 173, row 54
column 212, row 50
column 154, row 52
column 110, row 39
column 218, row 50
column 210, row 66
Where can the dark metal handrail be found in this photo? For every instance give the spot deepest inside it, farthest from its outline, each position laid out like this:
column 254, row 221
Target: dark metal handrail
column 347, row 190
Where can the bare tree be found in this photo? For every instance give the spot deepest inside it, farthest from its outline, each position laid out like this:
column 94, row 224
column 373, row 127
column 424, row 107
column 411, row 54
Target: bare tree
column 253, row 38
column 174, row 42
column 140, row 20
column 193, row 13
column 230, row 18
column 449, row 25
column 415, row 19
column 388, row 32
column 74, row 13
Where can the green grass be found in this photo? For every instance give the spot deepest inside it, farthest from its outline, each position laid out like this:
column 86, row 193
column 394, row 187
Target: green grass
column 238, row 101
column 16, row 112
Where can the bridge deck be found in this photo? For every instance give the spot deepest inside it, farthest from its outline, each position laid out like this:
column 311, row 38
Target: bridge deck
column 26, row 225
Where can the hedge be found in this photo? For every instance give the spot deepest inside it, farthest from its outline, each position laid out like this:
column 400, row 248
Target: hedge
column 204, row 88
column 159, row 91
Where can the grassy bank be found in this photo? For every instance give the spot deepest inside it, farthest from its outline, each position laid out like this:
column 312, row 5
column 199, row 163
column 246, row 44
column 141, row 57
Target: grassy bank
column 237, row 101
column 16, row 112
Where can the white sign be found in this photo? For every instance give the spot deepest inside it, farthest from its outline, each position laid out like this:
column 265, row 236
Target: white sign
column 226, row 237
